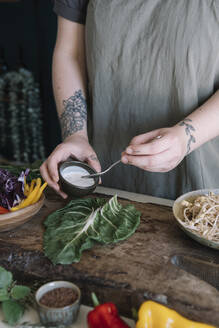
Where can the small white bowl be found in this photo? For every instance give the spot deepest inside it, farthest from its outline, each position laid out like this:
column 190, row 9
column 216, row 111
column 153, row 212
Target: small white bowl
column 58, row 316
column 178, row 213
column 71, row 189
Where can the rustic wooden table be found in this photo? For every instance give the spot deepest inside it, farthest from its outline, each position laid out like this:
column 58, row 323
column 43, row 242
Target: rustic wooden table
column 31, row 317
column 127, row 273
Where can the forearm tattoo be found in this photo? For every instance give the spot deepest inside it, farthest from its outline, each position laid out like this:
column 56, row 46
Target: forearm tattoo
column 188, row 129
column 74, row 115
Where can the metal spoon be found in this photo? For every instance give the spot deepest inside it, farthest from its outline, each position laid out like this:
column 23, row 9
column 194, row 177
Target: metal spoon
column 100, row 173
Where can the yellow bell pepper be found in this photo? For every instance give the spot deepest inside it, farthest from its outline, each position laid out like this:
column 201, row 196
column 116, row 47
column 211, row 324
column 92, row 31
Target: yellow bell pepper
column 30, row 198
column 26, row 187
column 155, row 315
column 32, row 185
column 38, row 195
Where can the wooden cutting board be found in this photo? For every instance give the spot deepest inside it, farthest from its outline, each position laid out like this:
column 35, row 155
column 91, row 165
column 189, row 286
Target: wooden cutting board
column 127, row 273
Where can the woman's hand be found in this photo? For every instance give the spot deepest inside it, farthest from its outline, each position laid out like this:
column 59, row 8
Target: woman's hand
column 76, row 146
column 157, row 151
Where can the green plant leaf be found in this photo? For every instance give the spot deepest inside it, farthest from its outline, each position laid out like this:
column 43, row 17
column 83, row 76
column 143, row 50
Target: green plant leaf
column 5, row 278
column 84, row 222
column 16, row 169
column 4, row 295
column 12, row 311
column 18, row 292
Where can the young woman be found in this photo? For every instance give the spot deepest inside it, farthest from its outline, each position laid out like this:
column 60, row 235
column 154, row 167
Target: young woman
column 148, row 71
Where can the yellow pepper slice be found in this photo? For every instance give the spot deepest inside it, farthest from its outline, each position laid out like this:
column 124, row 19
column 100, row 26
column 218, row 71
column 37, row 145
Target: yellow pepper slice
column 39, row 193
column 32, row 185
column 28, row 201
column 155, row 315
column 26, row 187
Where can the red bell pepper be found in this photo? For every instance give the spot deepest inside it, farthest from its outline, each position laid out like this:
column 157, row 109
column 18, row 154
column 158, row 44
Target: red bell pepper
column 3, row 210
column 104, row 316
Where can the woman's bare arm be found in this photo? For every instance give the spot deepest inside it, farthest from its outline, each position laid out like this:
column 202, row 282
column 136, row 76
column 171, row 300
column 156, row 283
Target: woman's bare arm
column 69, row 75
column 70, row 85
column 163, row 149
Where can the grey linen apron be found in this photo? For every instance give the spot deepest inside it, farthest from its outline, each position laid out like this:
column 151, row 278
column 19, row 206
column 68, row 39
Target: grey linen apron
column 150, row 64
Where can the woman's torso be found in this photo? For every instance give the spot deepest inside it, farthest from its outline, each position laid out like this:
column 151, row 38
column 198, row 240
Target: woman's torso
column 150, row 64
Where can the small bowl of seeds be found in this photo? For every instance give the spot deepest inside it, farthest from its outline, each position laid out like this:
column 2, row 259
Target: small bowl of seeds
column 58, row 303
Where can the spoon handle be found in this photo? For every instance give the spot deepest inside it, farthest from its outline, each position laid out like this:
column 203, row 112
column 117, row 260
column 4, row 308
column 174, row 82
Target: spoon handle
column 100, row 173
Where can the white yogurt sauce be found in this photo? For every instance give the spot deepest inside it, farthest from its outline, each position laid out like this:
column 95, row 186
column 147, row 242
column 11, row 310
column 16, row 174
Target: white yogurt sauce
column 73, row 174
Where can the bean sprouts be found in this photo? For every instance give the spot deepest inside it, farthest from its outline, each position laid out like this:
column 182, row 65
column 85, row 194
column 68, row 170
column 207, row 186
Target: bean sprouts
column 201, row 216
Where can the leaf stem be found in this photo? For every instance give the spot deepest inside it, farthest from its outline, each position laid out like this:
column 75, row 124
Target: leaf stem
column 95, row 299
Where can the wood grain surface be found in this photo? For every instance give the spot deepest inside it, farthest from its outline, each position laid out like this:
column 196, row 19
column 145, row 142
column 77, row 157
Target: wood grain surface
column 127, row 273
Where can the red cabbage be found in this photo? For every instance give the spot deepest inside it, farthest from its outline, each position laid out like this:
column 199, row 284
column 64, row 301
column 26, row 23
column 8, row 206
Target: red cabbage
column 11, row 188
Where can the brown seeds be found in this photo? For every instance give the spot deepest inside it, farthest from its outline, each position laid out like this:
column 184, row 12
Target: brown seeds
column 59, row 297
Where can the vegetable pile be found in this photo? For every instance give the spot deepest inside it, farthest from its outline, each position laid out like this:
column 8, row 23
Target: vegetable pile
column 16, row 193
column 11, row 188
column 84, row 222
column 32, row 192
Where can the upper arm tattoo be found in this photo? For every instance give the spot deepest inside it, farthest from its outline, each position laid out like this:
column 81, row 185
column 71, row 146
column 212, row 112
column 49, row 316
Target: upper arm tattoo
column 188, row 129
column 74, row 115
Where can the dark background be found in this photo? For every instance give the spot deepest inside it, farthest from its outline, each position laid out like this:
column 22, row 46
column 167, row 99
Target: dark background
column 30, row 25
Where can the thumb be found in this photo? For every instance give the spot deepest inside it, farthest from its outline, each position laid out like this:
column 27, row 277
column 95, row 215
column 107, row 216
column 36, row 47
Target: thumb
column 93, row 161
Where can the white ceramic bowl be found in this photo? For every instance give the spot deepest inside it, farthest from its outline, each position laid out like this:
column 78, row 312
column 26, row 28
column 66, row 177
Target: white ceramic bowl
column 178, row 213
column 58, row 316
column 71, row 189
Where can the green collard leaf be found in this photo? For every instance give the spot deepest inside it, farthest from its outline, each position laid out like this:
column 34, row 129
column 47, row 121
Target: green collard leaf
column 84, row 222
column 5, row 278
column 12, row 311
column 19, row 292
column 4, row 295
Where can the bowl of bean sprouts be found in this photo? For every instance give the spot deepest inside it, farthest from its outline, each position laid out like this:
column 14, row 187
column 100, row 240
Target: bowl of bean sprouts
column 197, row 214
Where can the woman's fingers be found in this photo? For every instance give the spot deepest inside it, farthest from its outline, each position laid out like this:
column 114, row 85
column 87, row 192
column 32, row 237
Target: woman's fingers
column 46, row 176
column 161, row 162
column 155, row 146
column 145, row 137
column 77, row 147
column 52, row 165
column 149, row 162
column 60, row 154
column 93, row 161
column 154, row 163
column 157, row 151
